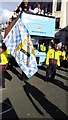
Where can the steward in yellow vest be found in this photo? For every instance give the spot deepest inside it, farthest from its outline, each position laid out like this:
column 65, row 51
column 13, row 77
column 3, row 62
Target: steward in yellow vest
column 63, row 53
column 4, row 57
column 42, row 47
column 52, row 61
column 62, row 56
column 4, row 53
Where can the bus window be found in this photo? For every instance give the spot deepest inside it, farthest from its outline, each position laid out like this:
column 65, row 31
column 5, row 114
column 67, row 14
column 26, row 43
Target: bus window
column 36, row 47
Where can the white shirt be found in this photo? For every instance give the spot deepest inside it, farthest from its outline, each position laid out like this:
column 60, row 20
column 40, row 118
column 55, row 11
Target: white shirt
column 37, row 11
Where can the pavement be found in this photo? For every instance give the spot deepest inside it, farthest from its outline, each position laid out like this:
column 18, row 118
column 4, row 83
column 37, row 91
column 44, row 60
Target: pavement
column 34, row 97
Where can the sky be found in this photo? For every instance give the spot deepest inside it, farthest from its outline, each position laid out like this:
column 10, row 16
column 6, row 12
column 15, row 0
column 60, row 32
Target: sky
column 6, row 9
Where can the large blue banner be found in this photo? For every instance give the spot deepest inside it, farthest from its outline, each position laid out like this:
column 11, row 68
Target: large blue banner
column 19, row 43
column 39, row 25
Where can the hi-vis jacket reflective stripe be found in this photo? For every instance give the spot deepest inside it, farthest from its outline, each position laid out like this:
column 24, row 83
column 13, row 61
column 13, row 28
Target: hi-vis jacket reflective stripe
column 4, row 57
column 52, row 54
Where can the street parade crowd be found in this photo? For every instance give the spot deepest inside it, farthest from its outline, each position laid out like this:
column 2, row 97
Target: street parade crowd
column 57, row 56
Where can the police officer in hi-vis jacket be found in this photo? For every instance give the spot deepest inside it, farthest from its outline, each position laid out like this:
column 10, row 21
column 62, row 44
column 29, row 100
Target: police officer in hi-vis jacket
column 52, row 61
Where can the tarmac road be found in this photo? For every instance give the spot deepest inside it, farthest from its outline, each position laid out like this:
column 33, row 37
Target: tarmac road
column 34, row 98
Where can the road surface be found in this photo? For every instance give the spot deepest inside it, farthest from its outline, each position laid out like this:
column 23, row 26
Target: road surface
column 35, row 97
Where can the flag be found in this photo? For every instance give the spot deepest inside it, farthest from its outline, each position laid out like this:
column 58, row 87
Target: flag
column 18, row 42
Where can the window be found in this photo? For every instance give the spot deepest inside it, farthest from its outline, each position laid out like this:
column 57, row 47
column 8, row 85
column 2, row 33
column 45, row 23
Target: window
column 58, row 8
column 49, row 7
column 57, row 24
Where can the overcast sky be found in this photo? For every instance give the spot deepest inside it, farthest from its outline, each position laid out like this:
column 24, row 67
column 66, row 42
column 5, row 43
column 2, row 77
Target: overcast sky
column 7, row 8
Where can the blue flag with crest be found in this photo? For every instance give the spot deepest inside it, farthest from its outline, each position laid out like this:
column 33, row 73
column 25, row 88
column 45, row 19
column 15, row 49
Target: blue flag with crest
column 18, row 42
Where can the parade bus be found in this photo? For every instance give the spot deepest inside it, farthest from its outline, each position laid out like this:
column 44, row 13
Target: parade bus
column 42, row 30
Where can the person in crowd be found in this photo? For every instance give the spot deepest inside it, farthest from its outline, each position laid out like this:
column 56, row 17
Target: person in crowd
column 63, row 52
column 20, row 10
column 42, row 47
column 10, row 20
column 52, row 61
column 25, row 8
column 14, row 14
column 65, row 62
column 30, row 10
column 62, row 56
column 67, row 53
column 20, row 7
column 6, row 24
column 4, row 59
column 38, row 10
column 59, row 49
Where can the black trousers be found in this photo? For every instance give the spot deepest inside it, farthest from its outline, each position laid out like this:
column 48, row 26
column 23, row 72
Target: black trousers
column 2, row 80
column 64, row 63
column 51, row 71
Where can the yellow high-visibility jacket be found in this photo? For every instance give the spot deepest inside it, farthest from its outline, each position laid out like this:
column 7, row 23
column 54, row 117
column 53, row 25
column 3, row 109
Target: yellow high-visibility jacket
column 7, row 51
column 52, row 54
column 4, row 57
column 42, row 47
column 63, row 53
column 59, row 52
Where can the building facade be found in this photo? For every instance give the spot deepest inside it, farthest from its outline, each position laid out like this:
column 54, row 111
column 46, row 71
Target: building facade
column 60, row 11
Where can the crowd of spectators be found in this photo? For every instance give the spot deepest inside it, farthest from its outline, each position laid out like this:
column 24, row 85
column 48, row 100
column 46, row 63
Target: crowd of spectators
column 26, row 8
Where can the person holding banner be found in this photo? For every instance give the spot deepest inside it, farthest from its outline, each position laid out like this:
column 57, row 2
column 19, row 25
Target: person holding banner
column 4, row 59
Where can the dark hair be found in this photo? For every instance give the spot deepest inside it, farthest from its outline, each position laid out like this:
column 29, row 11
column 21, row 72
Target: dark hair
column 53, row 45
column 4, row 46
